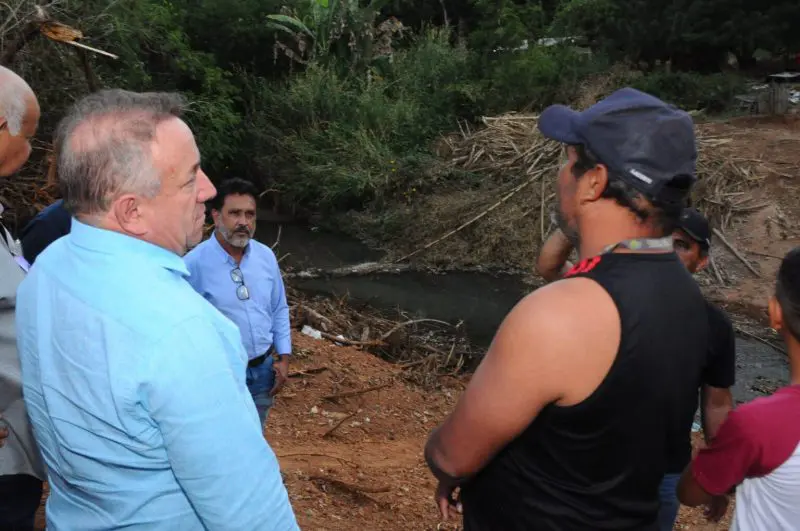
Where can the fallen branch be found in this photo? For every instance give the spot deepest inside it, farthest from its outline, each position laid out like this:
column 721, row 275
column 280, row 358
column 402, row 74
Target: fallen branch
column 305, row 372
column 350, row 394
column 765, row 255
column 277, row 238
column 95, row 50
column 408, row 323
column 349, row 486
column 419, row 362
column 351, row 342
column 316, row 319
column 736, row 253
column 304, row 454
column 366, row 268
column 715, row 269
column 333, row 429
column 760, row 339
column 466, row 224
column 391, row 268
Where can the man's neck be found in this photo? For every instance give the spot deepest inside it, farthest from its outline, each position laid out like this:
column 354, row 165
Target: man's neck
column 236, row 252
column 598, row 235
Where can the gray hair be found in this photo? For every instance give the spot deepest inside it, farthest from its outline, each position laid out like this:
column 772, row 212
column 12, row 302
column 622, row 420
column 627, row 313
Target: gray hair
column 103, row 146
column 14, row 95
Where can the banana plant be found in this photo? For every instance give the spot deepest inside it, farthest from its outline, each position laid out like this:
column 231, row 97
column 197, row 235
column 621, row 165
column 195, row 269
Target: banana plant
column 336, row 28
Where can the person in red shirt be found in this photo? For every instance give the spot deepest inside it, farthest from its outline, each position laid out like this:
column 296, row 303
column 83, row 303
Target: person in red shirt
column 757, row 449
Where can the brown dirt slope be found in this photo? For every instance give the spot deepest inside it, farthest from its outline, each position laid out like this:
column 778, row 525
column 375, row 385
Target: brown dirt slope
column 765, row 234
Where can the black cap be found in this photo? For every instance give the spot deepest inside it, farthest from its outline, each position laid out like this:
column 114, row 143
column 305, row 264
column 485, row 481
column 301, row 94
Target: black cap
column 642, row 140
column 696, row 226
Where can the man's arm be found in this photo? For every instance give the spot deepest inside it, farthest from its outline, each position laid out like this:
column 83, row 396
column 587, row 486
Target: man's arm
column 720, row 467
column 211, row 433
column 281, row 327
column 717, row 403
column 537, row 357
column 720, row 375
column 553, row 261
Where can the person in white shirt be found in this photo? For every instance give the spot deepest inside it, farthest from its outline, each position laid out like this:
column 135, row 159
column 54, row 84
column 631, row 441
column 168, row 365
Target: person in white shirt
column 21, row 469
column 757, row 449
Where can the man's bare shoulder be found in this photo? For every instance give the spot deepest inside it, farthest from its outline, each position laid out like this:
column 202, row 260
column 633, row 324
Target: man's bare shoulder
column 564, row 303
column 560, row 324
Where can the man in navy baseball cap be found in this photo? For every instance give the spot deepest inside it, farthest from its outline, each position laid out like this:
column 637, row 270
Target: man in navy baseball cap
column 568, row 420
column 643, row 141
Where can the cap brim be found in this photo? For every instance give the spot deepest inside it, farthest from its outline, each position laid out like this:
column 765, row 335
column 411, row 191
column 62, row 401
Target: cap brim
column 693, row 235
column 558, row 123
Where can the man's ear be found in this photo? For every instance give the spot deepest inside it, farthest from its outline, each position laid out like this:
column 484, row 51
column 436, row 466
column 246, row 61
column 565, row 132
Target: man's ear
column 775, row 314
column 702, row 263
column 127, row 210
column 3, row 123
column 592, row 184
column 215, row 215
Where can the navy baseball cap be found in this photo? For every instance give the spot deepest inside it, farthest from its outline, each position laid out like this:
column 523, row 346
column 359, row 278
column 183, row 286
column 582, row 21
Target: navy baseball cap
column 695, row 224
column 643, row 141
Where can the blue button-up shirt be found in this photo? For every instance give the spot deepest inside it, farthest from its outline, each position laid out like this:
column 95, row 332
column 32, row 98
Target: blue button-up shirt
column 263, row 319
column 135, row 387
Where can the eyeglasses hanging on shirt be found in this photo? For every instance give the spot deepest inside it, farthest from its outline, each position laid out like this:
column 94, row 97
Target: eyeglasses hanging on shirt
column 241, row 290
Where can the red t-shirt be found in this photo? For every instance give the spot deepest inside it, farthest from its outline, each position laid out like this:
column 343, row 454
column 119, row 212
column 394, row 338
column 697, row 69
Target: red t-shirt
column 758, row 449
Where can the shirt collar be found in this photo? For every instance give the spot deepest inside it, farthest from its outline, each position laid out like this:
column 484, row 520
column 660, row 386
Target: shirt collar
column 115, row 243
column 223, row 253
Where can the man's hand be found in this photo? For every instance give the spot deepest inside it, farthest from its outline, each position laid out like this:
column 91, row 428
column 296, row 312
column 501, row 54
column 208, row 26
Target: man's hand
column 281, row 368
column 553, row 261
column 448, row 499
column 3, row 432
column 717, row 508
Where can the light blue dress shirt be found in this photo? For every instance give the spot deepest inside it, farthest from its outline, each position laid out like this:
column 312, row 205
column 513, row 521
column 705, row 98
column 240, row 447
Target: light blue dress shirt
column 263, row 319
column 135, row 387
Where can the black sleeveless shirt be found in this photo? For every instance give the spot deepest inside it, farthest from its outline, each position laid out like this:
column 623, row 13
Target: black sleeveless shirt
column 597, row 465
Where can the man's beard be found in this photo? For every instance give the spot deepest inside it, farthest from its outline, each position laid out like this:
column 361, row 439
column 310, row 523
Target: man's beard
column 239, row 237
column 570, row 232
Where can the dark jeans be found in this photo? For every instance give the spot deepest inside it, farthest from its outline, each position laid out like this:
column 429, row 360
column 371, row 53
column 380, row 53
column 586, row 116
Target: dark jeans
column 259, row 382
column 20, row 495
column 668, row 493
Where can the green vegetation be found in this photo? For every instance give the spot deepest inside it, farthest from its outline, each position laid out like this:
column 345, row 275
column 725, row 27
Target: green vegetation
column 337, row 104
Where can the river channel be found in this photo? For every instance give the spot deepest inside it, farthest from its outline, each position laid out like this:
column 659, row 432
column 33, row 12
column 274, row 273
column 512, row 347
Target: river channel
column 480, row 300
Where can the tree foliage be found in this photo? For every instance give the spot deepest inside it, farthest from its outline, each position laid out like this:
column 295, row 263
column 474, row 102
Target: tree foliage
column 336, row 103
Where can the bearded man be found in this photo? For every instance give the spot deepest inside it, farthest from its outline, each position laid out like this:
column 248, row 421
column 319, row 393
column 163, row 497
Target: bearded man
column 567, row 422
column 241, row 278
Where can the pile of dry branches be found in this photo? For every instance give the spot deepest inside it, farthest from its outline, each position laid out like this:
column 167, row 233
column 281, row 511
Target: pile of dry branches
column 427, row 349
column 723, row 180
column 510, row 146
column 517, row 195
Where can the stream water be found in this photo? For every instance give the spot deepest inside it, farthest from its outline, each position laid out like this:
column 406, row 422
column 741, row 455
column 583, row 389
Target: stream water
column 480, row 300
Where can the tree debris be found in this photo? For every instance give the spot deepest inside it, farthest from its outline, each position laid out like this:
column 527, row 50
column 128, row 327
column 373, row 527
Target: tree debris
column 350, row 394
column 342, row 421
column 736, row 252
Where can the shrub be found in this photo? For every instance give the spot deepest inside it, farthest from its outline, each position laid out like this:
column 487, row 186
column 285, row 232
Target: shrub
column 345, row 139
column 714, row 92
column 539, row 76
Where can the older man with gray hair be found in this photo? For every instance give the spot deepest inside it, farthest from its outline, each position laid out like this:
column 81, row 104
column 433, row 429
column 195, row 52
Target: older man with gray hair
column 21, row 470
column 135, row 385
